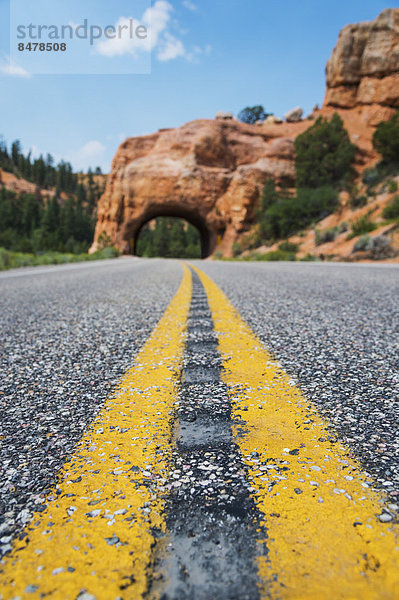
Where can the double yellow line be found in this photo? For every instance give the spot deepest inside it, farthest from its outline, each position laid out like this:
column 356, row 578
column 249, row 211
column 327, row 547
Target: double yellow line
column 324, row 537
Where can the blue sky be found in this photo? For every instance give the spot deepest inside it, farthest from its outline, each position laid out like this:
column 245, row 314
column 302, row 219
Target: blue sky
column 208, row 55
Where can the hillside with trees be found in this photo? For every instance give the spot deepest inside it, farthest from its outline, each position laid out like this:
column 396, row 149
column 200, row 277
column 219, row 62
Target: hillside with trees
column 60, row 212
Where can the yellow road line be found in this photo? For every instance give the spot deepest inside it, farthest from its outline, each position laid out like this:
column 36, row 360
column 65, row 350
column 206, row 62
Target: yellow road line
column 96, row 533
column 323, row 533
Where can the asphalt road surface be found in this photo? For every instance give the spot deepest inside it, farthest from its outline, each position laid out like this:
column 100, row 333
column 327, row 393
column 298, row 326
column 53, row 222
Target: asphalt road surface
column 241, row 445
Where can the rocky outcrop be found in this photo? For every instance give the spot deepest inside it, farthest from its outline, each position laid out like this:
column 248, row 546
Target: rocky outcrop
column 364, row 66
column 294, row 115
column 209, row 172
column 224, row 116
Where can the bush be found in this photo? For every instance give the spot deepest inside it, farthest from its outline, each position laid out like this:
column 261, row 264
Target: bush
column 277, row 255
column 358, row 201
column 361, row 226
column 362, row 244
column 325, row 236
column 391, row 211
column 371, row 176
column 288, row 247
column 251, row 114
column 386, row 139
column 13, row 260
column 237, row 249
column 324, row 154
column 309, row 258
column 378, row 247
column 109, row 252
column 392, row 186
column 290, row 215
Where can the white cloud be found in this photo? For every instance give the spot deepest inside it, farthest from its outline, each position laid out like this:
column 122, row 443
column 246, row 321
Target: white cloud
column 91, row 154
column 156, row 19
column 195, row 54
column 170, row 48
column 9, row 67
column 160, row 39
column 190, row 5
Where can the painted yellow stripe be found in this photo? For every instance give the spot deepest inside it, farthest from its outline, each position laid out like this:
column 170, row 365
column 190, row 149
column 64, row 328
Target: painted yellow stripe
column 96, row 533
column 323, row 533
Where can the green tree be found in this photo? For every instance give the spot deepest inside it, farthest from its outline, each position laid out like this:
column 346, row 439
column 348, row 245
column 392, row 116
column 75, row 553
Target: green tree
column 251, row 114
column 290, row 215
column 15, row 152
column 324, row 154
column 386, row 139
column 268, row 197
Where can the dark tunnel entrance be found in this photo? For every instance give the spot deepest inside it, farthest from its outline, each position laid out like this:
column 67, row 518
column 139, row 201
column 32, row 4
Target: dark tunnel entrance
column 171, row 226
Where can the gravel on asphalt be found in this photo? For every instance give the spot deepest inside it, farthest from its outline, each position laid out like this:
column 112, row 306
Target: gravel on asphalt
column 335, row 330
column 67, row 335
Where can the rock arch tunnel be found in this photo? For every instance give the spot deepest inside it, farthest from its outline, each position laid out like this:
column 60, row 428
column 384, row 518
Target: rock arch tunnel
column 210, row 173
column 208, row 238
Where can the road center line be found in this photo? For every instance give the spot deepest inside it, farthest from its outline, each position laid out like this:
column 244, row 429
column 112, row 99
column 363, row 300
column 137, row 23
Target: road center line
column 323, row 519
column 211, row 519
column 97, row 532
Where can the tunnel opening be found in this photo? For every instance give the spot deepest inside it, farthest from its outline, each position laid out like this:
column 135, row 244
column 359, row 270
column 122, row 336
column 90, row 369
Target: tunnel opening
column 172, row 235
column 168, row 237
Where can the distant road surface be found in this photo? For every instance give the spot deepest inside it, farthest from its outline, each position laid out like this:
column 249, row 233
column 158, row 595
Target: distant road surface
column 203, row 430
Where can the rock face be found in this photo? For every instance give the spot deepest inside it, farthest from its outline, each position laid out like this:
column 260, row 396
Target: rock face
column 364, row 67
column 211, row 172
column 224, row 116
column 294, row 115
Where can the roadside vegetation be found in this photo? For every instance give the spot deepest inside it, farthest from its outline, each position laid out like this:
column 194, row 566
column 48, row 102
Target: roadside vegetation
column 13, row 260
column 324, row 168
column 391, row 211
column 53, row 225
column 324, row 159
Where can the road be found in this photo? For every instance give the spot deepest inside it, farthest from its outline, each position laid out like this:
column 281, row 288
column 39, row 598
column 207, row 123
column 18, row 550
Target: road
column 162, row 431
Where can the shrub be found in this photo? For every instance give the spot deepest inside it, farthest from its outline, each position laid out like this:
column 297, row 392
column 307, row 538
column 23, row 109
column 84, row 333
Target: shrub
column 371, row 176
column 361, row 226
column 362, row 244
column 392, row 186
column 391, row 211
column 251, row 114
column 324, row 154
column 289, row 215
column 378, row 247
column 109, row 252
column 288, row 247
column 277, row 255
column 12, row 260
column 386, row 139
column 309, row 258
column 358, row 201
column 236, row 248
column 325, row 236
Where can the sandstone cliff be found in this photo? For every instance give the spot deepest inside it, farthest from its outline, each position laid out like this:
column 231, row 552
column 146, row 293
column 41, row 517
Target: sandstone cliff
column 363, row 70
column 212, row 171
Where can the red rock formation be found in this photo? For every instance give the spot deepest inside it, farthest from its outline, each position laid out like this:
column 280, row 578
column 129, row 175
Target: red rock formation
column 212, row 171
column 363, row 70
column 209, row 172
